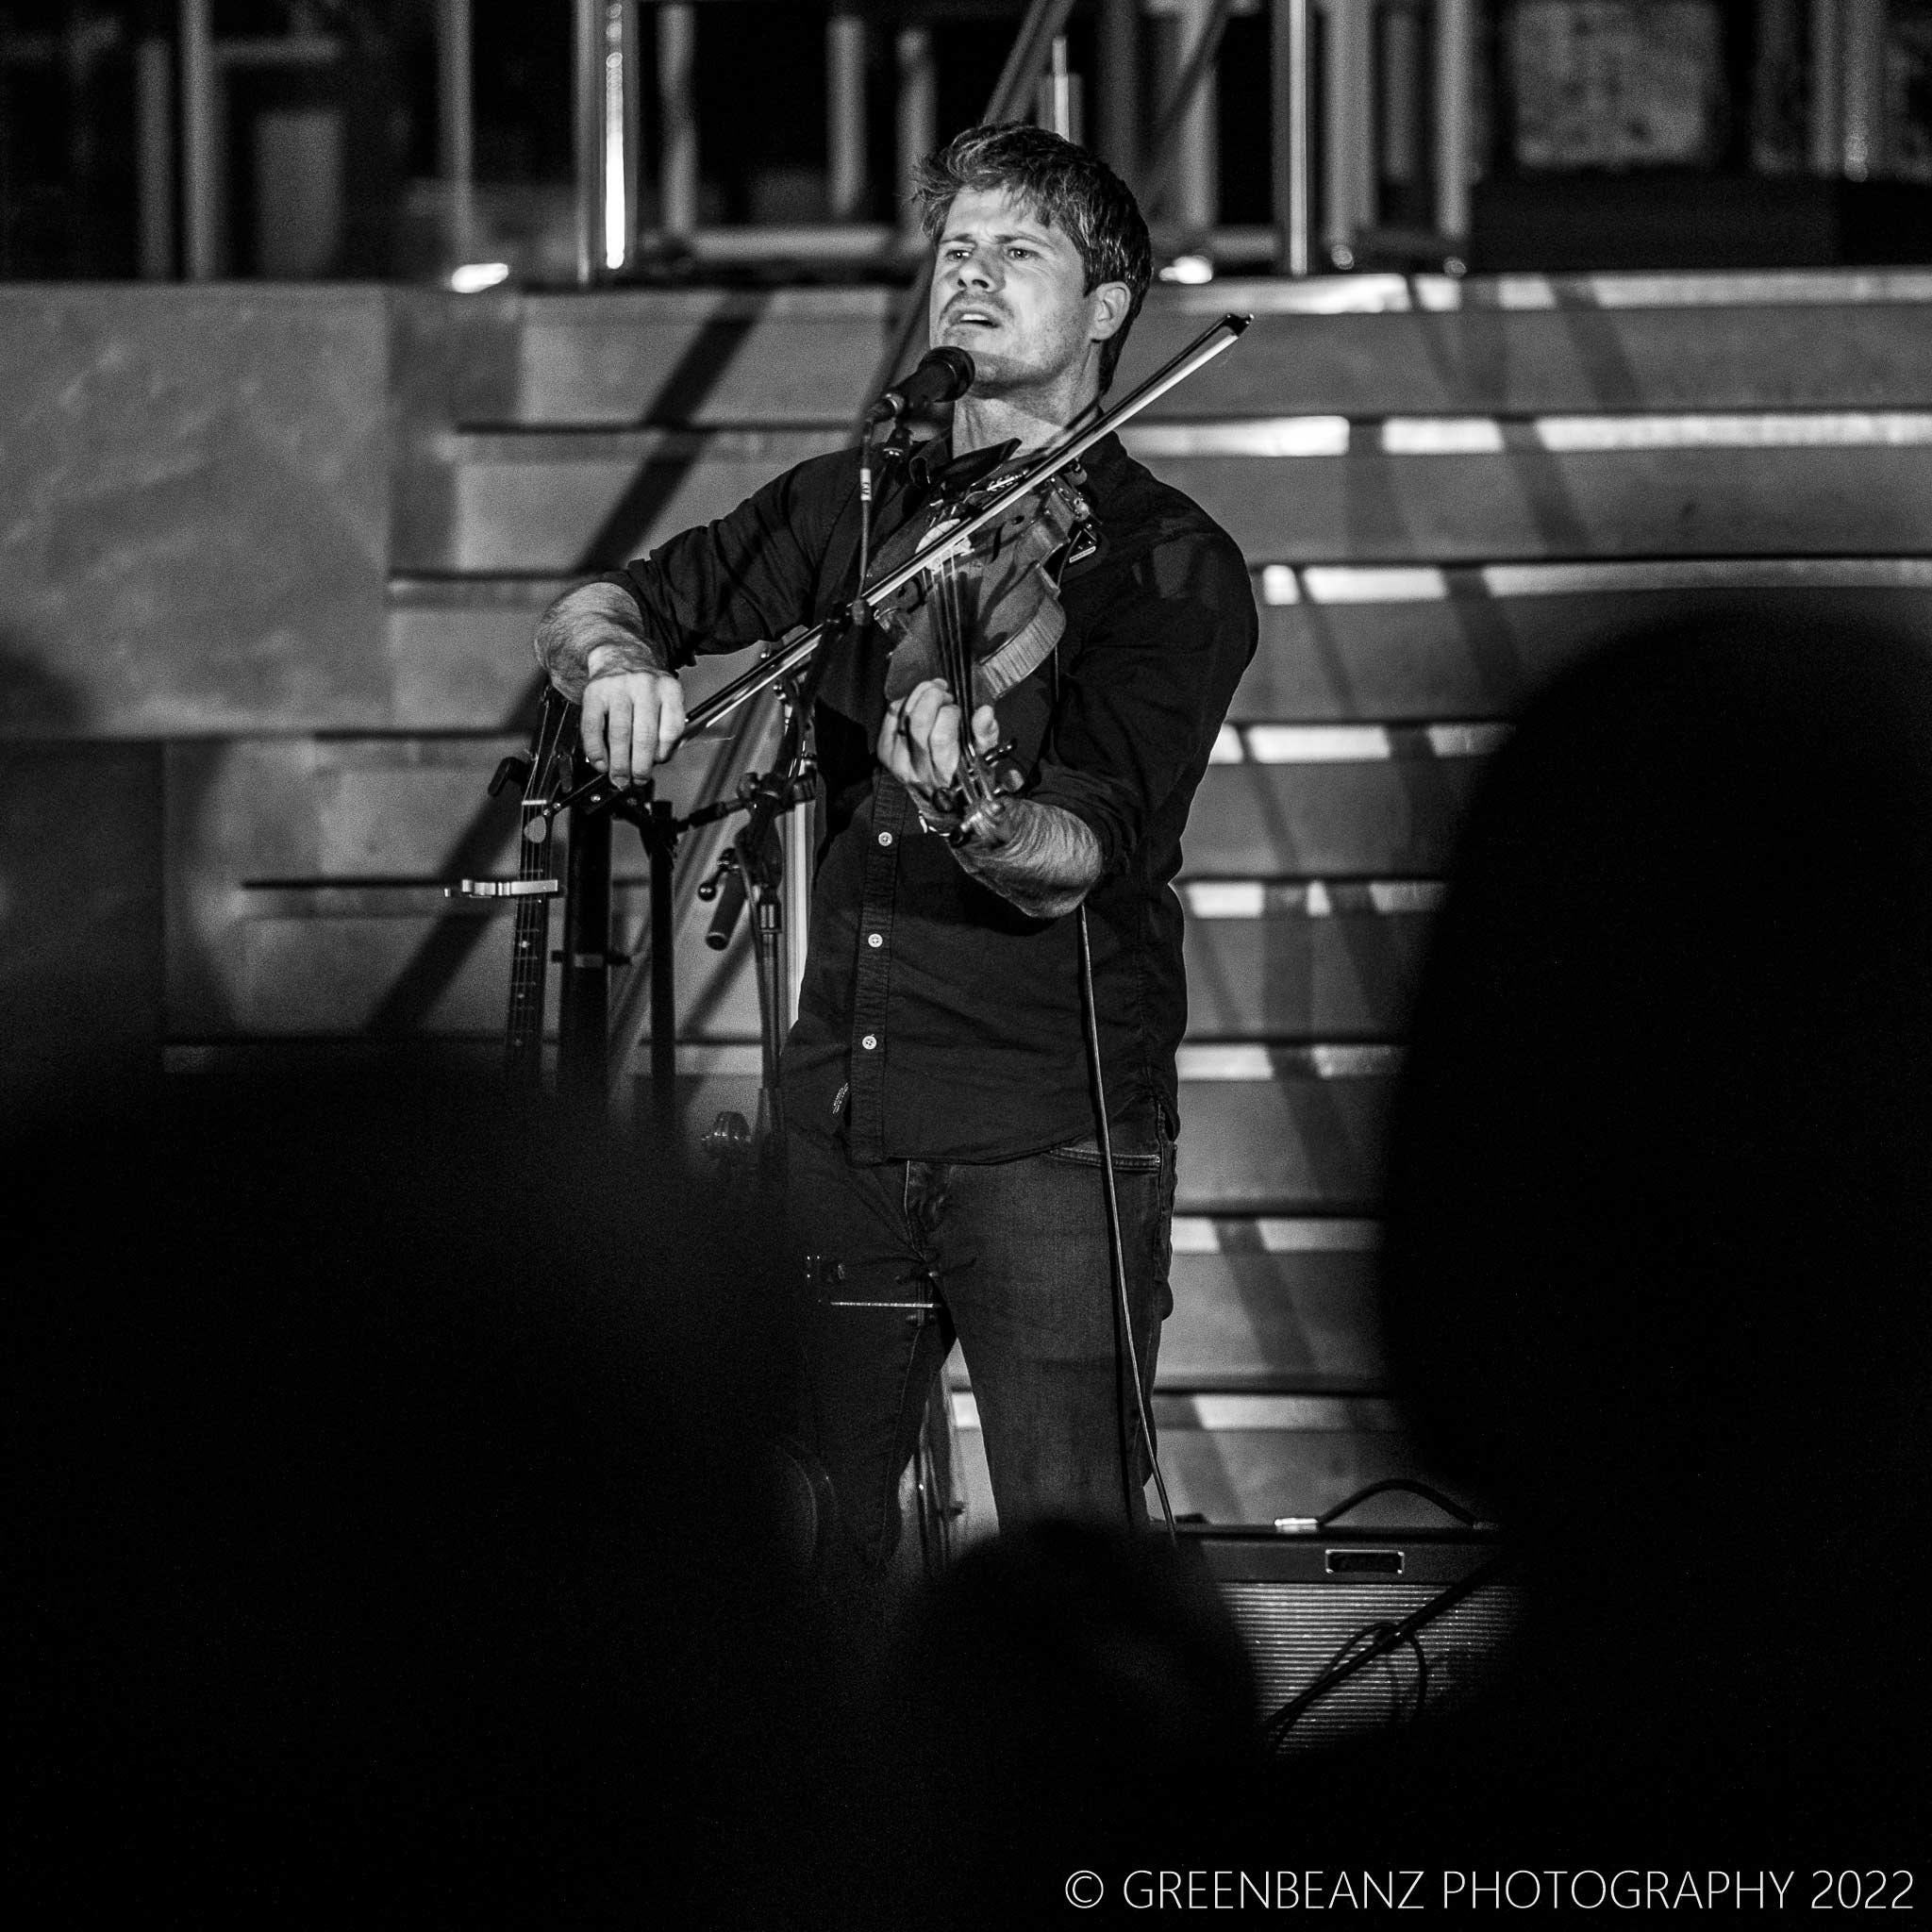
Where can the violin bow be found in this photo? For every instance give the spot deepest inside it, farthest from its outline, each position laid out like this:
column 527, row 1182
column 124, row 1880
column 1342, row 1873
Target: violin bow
column 1220, row 336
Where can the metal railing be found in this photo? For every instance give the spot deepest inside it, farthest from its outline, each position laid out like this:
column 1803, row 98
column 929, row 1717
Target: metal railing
column 1362, row 94
column 1173, row 169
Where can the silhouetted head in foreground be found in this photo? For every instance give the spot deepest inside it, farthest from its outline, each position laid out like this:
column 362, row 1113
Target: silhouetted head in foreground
column 1065, row 1697
column 389, row 1533
column 1659, row 1217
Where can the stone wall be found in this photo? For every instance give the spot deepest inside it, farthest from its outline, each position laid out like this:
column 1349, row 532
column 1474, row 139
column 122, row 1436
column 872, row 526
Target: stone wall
column 194, row 491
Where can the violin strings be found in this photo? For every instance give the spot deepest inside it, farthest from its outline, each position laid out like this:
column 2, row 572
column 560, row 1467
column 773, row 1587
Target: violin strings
column 958, row 662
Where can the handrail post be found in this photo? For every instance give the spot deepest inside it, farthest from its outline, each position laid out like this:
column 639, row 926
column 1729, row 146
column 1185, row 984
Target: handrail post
column 917, row 117
column 587, row 128
column 1196, row 136
column 624, row 116
column 154, row 114
column 845, row 115
column 1454, row 100
column 605, row 130
column 456, row 122
column 678, row 181
column 1058, row 105
column 1862, row 117
column 1827, row 85
column 1289, row 128
column 200, row 160
column 1045, row 20
column 1118, row 88
column 1190, row 98
column 1348, row 102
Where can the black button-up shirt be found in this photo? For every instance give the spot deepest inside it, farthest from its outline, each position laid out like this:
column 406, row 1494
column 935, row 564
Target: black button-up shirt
column 936, row 1021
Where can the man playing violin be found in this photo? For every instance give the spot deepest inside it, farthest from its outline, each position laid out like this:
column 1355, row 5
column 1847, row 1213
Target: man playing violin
column 942, row 1150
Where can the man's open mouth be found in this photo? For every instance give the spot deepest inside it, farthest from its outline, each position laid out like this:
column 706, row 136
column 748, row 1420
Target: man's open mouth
column 985, row 318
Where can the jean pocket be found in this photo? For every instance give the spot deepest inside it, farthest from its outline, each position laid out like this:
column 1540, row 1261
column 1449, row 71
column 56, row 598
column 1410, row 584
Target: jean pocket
column 1137, row 1146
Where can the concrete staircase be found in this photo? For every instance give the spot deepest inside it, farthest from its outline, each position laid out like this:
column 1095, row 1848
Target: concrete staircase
column 1447, row 492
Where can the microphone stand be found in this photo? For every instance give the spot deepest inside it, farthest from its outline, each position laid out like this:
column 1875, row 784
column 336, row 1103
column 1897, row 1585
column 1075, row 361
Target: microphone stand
column 751, row 870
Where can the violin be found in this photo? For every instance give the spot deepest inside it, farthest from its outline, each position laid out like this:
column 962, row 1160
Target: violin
column 983, row 618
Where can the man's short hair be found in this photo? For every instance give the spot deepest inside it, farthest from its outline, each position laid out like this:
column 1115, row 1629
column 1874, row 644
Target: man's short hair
column 1064, row 185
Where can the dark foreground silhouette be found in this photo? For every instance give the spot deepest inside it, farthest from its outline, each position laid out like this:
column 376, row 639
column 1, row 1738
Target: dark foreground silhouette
column 391, row 1528
column 1660, row 1237
column 391, row 1532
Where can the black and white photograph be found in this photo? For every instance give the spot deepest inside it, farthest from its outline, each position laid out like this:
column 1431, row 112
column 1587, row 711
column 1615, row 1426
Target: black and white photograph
column 965, row 964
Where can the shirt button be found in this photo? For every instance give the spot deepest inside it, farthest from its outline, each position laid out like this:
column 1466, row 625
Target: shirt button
column 870, row 1040
column 885, row 838
column 872, row 939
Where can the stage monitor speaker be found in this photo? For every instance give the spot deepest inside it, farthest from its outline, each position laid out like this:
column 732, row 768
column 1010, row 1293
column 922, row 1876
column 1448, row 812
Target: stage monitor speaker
column 1303, row 1601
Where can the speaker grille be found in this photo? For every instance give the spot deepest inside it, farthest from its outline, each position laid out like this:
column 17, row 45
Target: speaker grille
column 1295, row 1630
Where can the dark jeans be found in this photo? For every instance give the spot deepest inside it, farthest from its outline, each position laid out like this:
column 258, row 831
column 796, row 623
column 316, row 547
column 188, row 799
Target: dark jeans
column 1011, row 1258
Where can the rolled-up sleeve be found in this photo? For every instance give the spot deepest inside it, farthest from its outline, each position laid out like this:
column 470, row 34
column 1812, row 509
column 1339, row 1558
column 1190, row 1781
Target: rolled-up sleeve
column 1143, row 695
column 750, row 575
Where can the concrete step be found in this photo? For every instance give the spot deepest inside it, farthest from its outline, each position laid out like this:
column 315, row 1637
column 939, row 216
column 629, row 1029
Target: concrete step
column 1424, row 641
column 1273, row 1304
column 1242, row 1459
column 1347, row 345
column 1368, row 345
column 547, row 502
column 304, row 881
column 304, row 877
column 1302, row 491
column 321, row 961
column 1319, row 800
column 1367, row 802
column 1283, row 1130
column 459, row 648
column 1338, row 641
column 347, row 809
column 1264, row 1130
column 711, row 356
column 1306, row 490
column 1305, row 959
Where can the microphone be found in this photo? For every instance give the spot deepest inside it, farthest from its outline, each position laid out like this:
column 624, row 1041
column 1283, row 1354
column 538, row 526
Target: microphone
column 943, row 376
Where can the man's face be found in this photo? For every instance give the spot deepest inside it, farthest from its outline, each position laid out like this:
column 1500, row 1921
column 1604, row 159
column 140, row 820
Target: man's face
column 1009, row 290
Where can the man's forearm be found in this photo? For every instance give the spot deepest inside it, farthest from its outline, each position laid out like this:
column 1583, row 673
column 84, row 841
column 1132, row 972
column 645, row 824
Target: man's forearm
column 1049, row 864
column 593, row 629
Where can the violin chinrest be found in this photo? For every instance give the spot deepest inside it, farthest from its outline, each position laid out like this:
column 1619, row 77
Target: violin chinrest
column 953, row 479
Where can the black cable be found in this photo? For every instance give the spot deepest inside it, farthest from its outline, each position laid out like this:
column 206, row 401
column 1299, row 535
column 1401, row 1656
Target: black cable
column 1123, row 1322
column 1407, row 1487
column 864, row 518
column 1395, row 1635
column 1421, row 1677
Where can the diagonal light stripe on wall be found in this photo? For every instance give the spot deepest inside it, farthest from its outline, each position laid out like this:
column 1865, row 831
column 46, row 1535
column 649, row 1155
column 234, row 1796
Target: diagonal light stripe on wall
column 1598, row 434
column 1285, row 584
column 1347, row 744
column 1199, row 1234
column 1441, row 294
